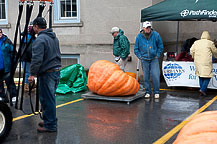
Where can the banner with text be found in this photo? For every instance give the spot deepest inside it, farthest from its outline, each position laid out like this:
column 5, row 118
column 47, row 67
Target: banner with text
column 183, row 74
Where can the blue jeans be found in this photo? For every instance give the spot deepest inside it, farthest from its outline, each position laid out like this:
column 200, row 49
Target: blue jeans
column 47, row 85
column 27, row 65
column 151, row 67
column 10, row 87
column 204, row 83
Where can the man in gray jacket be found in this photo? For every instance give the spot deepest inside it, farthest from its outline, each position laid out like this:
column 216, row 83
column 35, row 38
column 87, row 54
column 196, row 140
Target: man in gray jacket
column 45, row 64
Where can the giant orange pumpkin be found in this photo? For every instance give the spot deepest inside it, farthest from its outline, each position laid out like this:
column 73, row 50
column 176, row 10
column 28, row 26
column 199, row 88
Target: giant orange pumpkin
column 202, row 129
column 106, row 78
column 132, row 75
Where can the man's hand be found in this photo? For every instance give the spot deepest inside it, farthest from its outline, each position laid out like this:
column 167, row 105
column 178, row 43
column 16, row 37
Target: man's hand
column 31, row 79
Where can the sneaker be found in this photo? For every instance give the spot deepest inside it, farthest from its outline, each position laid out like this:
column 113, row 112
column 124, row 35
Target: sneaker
column 147, row 95
column 6, row 100
column 156, row 96
column 14, row 99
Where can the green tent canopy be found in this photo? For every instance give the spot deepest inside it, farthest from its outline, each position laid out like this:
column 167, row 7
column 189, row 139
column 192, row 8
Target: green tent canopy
column 181, row 10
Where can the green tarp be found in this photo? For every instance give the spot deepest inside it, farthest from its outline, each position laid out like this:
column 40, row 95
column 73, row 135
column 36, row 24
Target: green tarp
column 181, row 10
column 72, row 79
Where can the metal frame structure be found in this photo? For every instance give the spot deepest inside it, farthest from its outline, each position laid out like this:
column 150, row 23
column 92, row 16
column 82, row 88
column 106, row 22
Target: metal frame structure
column 37, row 0
column 127, row 99
column 42, row 4
column 5, row 112
column 16, row 58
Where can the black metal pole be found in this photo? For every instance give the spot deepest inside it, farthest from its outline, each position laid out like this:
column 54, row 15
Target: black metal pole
column 50, row 15
column 41, row 8
column 13, row 69
column 28, row 16
column 177, row 38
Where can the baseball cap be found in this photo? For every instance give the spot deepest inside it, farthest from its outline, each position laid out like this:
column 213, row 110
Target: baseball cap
column 114, row 29
column 146, row 24
column 39, row 21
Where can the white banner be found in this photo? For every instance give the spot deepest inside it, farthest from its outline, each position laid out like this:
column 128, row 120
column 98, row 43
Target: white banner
column 183, row 74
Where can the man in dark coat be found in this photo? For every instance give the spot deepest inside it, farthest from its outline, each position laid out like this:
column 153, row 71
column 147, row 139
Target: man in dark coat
column 45, row 64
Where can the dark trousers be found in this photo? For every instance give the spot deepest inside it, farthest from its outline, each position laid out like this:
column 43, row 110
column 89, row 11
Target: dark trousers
column 47, row 85
column 11, row 87
column 204, row 83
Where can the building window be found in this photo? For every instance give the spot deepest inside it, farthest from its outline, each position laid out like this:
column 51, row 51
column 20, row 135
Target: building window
column 69, row 59
column 3, row 12
column 66, row 11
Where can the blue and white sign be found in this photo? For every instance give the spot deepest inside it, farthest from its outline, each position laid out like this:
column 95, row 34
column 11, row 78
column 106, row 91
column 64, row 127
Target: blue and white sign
column 172, row 71
column 183, row 74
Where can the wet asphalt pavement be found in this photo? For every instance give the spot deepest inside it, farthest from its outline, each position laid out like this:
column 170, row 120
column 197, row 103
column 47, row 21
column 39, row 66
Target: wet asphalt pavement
column 144, row 121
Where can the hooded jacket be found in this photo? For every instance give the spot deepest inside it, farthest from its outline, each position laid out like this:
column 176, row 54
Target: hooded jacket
column 148, row 49
column 202, row 51
column 121, row 45
column 45, row 53
column 7, row 52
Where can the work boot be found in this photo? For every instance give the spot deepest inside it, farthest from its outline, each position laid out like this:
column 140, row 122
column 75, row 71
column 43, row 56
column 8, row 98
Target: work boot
column 44, row 130
column 26, row 87
column 41, row 124
column 202, row 93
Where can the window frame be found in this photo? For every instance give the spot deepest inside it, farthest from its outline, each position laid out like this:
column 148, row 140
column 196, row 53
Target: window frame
column 57, row 14
column 5, row 21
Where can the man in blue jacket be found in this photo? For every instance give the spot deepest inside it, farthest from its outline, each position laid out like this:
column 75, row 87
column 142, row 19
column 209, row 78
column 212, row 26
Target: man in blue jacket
column 6, row 51
column 45, row 64
column 148, row 48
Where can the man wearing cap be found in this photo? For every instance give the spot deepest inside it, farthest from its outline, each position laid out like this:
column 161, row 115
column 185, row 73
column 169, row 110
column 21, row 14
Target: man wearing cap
column 121, row 47
column 148, row 48
column 45, row 64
